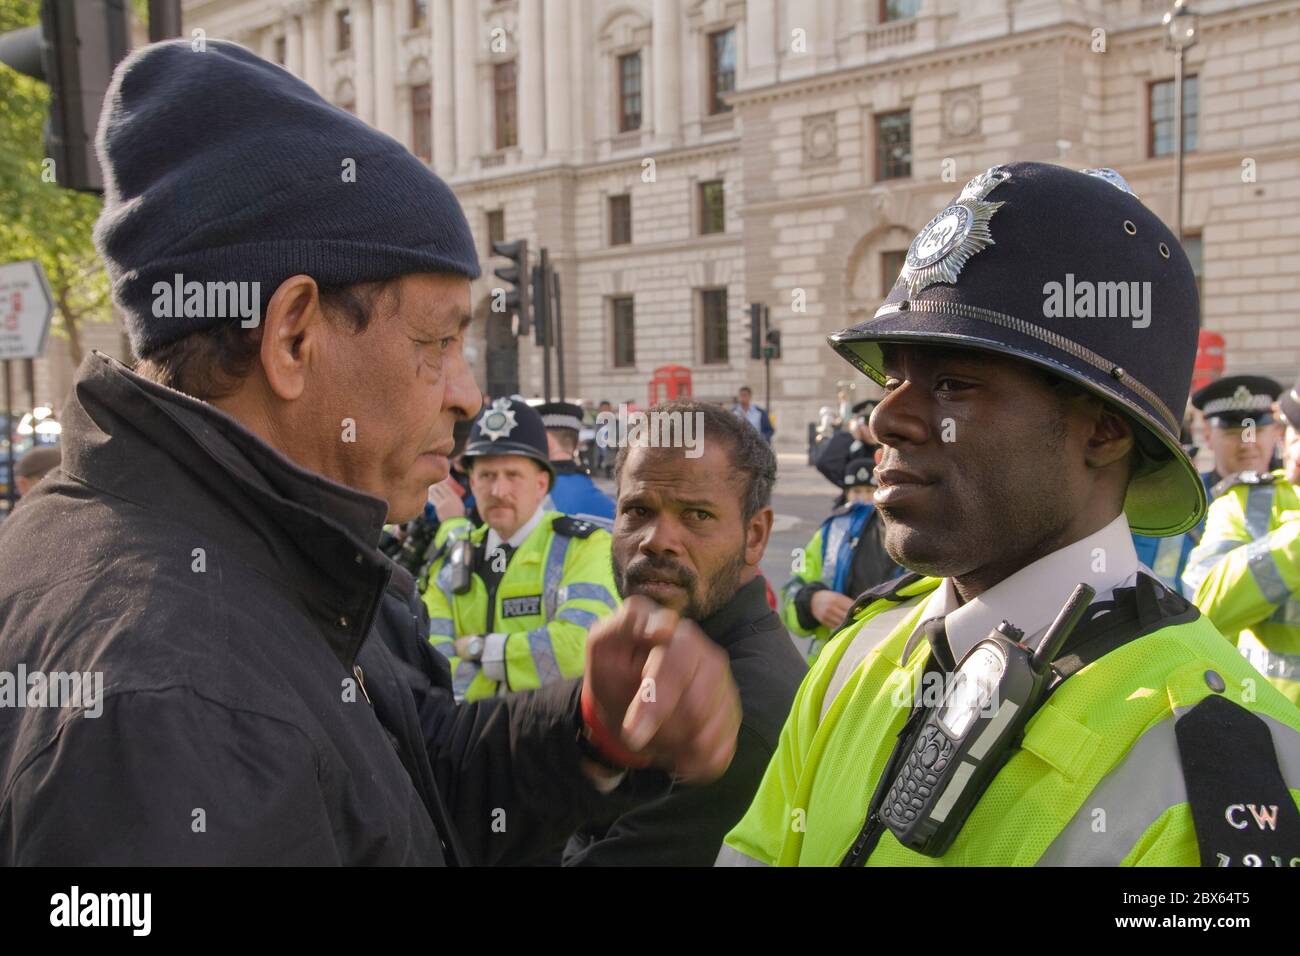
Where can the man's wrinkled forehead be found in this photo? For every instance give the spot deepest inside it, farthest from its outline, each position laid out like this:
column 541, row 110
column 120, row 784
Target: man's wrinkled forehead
column 669, row 475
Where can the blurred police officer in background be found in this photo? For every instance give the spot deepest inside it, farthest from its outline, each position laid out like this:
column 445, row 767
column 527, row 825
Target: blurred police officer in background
column 574, row 493
column 510, row 602
column 845, row 557
column 1021, row 443
column 1245, row 574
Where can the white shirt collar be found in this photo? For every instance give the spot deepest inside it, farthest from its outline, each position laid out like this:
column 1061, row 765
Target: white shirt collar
column 516, row 539
column 1031, row 598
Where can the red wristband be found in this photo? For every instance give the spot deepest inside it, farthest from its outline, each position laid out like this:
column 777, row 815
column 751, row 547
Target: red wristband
column 603, row 740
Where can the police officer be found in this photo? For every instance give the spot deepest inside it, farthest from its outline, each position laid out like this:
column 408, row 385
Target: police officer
column 853, row 442
column 845, row 557
column 1030, row 419
column 510, row 602
column 1245, row 575
column 574, row 492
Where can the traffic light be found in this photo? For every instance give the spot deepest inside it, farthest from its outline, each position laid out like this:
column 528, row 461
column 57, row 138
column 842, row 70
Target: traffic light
column 541, row 303
column 756, row 317
column 83, row 41
column 518, row 298
column 773, row 345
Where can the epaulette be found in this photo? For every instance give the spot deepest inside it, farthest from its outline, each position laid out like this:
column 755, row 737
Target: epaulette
column 884, row 591
column 1242, row 478
column 572, row 527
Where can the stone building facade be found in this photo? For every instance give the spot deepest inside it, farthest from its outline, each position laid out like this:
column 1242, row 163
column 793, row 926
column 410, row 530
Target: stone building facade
column 787, row 152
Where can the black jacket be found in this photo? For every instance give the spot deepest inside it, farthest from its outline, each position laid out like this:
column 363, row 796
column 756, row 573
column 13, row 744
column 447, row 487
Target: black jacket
column 686, row 827
column 229, row 600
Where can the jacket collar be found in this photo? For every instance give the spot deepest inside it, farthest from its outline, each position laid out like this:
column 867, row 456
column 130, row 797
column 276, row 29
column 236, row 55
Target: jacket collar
column 747, row 607
column 172, row 454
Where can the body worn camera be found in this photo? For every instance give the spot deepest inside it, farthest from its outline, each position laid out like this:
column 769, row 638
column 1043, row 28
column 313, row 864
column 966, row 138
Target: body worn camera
column 964, row 742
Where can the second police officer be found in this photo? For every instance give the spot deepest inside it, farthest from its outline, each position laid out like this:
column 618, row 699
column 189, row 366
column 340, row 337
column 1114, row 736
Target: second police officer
column 845, row 557
column 1245, row 574
column 574, row 493
column 1022, row 441
column 510, row 602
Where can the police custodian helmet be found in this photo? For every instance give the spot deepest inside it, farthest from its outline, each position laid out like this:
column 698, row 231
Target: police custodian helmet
column 1030, row 261
column 510, row 426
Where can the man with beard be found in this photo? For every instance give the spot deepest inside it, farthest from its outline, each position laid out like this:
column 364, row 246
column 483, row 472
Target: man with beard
column 1020, row 446
column 686, row 539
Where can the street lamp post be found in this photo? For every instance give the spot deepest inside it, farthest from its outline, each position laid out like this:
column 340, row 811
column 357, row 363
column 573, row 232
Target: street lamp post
column 1180, row 25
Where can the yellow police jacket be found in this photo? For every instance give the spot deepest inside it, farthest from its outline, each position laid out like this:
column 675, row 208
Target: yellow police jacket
column 1245, row 574
column 554, row 588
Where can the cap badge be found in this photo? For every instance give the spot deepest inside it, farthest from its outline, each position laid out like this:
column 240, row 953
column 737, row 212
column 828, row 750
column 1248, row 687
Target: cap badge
column 942, row 248
column 1112, row 177
column 498, row 421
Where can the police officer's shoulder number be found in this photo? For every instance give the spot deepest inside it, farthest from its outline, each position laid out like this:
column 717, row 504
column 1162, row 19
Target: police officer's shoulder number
column 572, row 527
column 1241, row 806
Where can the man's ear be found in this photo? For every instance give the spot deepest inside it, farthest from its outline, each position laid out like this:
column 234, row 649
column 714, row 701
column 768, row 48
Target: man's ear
column 292, row 331
column 756, row 535
column 1111, row 440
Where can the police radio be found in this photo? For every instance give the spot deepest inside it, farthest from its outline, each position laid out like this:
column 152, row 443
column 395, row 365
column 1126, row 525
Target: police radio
column 460, row 561
column 964, row 742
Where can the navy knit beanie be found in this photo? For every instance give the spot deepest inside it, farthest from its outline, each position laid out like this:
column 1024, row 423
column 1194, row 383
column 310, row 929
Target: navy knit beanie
column 220, row 167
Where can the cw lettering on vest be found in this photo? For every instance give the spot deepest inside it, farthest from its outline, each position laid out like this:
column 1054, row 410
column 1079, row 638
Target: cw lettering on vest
column 1265, row 816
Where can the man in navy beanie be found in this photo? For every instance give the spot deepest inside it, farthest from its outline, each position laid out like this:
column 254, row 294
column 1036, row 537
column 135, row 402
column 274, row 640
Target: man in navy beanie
column 252, row 680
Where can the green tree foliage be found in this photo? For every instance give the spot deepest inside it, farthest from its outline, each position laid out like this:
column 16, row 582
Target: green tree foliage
column 38, row 218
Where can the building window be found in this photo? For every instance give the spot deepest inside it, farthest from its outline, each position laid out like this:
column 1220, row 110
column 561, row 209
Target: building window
column 503, row 86
column 620, row 220
column 722, row 68
column 1161, row 138
column 419, row 14
column 422, row 121
column 496, row 226
column 629, row 92
column 624, row 332
column 343, row 25
column 894, row 145
column 280, row 55
column 891, row 264
column 898, row 9
column 713, row 310
column 713, row 207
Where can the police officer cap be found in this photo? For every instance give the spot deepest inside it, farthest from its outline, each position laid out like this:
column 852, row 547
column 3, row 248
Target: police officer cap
column 510, row 426
column 1227, row 402
column 561, row 415
column 857, row 471
column 1289, row 404
column 1070, row 272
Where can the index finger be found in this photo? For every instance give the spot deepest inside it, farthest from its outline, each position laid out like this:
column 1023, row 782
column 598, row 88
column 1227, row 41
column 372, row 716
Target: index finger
column 668, row 674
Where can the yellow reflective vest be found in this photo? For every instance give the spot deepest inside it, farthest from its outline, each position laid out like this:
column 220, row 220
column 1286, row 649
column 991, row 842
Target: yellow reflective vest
column 1245, row 574
column 556, row 585
column 1097, row 779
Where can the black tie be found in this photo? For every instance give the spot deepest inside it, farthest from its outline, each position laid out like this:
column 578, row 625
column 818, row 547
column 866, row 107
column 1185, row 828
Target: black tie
column 937, row 634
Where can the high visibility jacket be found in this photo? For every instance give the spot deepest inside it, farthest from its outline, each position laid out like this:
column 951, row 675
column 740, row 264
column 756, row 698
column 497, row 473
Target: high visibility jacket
column 828, row 559
column 1245, row 574
column 1097, row 779
column 555, row 587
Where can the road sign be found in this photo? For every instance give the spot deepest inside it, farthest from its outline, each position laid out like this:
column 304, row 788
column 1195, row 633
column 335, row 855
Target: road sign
column 25, row 310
